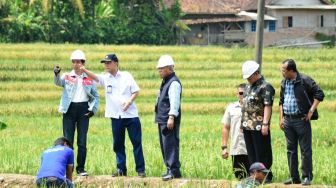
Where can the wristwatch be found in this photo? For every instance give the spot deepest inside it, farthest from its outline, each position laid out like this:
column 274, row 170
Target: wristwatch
column 265, row 124
column 224, row 147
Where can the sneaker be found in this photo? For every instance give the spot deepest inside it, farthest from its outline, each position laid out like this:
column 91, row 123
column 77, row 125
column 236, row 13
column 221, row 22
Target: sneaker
column 82, row 173
column 292, row 181
column 306, row 181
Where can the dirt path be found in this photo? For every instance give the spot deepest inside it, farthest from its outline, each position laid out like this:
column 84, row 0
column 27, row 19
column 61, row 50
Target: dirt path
column 18, row 180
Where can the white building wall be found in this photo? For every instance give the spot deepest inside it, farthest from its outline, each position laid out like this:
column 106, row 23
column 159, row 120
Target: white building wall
column 305, row 18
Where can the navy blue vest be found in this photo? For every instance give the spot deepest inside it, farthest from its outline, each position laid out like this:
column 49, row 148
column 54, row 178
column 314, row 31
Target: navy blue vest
column 162, row 106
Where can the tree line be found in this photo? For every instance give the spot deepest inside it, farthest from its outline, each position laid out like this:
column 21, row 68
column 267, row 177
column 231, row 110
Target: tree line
column 90, row 21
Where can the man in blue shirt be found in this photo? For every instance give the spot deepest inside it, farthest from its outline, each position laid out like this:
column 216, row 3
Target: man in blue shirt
column 57, row 165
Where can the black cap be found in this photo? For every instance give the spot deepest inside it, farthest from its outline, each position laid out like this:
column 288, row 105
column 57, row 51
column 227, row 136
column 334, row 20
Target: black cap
column 110, row 57
column 257, row 166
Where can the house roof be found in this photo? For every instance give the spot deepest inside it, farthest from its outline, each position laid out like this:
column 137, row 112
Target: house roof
column 253, row 15
column 215, row 20
column 203, row 6
column 315, row 7
column 250, row 5
column 253, row 4
column 226, row 6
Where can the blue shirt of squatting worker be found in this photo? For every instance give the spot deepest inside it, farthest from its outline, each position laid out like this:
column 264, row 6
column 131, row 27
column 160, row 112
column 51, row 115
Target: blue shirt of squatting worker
column 57, row 165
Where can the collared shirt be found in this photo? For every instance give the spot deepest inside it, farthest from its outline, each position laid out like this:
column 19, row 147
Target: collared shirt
column 290, row 106
column 80, row 94
column 232, row 117
column 256, row 97
column 174, row 94
column 118, row 90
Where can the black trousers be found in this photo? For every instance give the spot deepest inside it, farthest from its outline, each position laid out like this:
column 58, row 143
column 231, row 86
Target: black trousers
column 170, row 147
column 259, row 149
column 299, row 131
column 72, row 119
column 241, row 165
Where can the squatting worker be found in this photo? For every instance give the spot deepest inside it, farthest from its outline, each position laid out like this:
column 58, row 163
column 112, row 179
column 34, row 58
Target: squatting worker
column 231, row 124
column 299, row 98
column 121, row 90
column 79, row 102
column 57, row 164
column 258, row 172
column 168, row 116
column 256, row 116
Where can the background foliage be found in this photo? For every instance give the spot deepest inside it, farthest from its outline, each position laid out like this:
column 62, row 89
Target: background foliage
column 89, row 21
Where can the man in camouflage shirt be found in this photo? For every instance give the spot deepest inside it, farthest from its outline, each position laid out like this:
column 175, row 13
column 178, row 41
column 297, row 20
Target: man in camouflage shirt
column 256, row 116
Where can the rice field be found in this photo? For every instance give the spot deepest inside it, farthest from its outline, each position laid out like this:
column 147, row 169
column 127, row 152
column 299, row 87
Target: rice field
column 29, row 102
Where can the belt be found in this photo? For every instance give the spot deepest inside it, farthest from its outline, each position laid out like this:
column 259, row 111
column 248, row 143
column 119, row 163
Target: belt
column 51, row 178
column 296, row 116
column 79, row 103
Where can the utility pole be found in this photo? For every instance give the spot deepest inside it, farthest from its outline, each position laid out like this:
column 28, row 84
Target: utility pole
column 260, row 32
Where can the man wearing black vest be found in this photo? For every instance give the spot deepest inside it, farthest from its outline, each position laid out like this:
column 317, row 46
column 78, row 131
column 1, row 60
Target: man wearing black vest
column 168, row 116
column 299, row 98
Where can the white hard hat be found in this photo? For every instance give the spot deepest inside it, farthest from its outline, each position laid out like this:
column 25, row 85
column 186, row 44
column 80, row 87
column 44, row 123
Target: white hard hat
column 249, row 67
column 78, row 54
column 165, row 60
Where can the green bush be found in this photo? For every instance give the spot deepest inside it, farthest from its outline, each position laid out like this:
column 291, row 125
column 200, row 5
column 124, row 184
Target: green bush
column 324, row 37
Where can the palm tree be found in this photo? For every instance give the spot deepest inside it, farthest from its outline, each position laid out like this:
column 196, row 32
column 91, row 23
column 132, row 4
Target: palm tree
column 48, row 5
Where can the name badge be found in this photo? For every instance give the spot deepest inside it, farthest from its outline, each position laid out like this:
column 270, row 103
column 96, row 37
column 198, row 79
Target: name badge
column 109, row 89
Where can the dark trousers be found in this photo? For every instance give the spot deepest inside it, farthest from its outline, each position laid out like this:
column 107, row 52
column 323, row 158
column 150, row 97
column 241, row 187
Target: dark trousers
column 170, row 147
column 72, row 119
column 298, row 131
column 241, row 165
column 52, row 182
column 133, row 127
column 259, row 149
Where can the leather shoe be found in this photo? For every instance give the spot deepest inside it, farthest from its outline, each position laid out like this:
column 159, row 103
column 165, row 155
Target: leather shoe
column 142, row 174
column 167, row 177
column 119, row 173
column 306, row 181
column 292, row 181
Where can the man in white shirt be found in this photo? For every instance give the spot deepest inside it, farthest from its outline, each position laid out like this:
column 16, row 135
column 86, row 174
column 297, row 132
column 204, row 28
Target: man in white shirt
column 121, row 90
column 231, row 124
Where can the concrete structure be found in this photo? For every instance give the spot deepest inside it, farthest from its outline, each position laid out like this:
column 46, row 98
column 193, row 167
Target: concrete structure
column 300, row 20
column 227, row 22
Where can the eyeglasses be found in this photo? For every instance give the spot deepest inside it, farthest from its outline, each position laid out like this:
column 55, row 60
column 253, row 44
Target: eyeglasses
column 241, row 93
